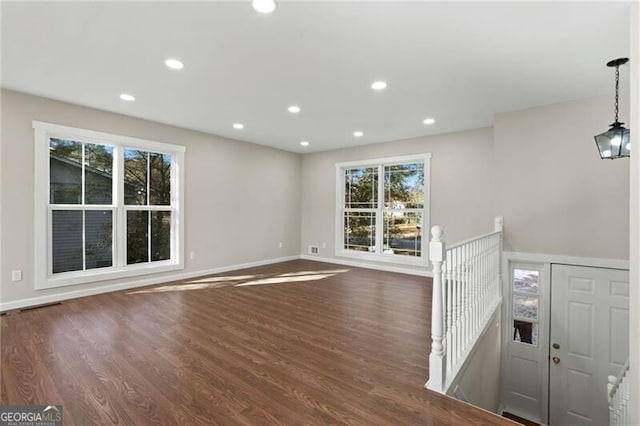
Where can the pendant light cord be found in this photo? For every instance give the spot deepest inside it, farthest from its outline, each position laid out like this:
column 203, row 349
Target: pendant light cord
column 617, row 84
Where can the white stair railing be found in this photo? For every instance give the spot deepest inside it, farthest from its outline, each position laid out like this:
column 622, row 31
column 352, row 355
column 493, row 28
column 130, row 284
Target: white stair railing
column 618, row 396
column 466, row 294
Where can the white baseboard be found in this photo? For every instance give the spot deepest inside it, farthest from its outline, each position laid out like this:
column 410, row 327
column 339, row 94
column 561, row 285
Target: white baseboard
column 355, row 263
column 73, row 294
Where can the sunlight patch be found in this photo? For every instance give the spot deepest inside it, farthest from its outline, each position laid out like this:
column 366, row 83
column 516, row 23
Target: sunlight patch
column 286, row 279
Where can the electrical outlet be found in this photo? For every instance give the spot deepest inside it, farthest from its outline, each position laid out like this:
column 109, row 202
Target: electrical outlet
column 16, row 275
column 192, row 255
column 280, row 244
column 324, row 245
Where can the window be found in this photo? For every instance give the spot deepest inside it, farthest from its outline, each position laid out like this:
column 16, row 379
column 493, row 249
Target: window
column 382, row 209
column 525, row 293
column 106, row 207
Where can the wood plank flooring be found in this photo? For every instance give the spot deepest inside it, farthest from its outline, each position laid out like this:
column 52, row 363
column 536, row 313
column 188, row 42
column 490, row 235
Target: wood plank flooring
column 293, row 343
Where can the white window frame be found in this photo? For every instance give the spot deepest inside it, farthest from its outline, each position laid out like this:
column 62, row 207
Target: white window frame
column 379, row 255
column 43, row 276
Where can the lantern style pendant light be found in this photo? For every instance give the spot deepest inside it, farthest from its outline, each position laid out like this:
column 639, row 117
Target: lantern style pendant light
column 615, row 142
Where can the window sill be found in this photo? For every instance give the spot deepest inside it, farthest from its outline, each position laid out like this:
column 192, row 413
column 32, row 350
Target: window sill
column 384, row 258
column 103, row 274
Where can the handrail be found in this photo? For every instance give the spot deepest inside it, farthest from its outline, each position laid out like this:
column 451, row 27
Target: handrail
column 472, row 239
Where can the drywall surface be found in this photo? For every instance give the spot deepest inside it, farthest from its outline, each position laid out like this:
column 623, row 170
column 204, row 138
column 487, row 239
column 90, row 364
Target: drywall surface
column 556, row 195
column 479, row 382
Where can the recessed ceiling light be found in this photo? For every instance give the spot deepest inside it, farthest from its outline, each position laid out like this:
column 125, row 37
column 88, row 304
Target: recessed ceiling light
column 378, row 85
column 304, row 143
column 127, row 97
column 238, row 126
column 174, row 64
column 429, row 121
column 264, row 6
column 357, row 134
column 294, row 109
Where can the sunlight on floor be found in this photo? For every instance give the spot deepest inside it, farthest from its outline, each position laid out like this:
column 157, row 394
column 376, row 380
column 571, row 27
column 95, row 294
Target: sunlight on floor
column 286, row 279
column 243, row 281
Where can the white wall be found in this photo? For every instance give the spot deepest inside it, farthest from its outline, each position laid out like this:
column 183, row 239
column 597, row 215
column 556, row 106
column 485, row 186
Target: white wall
column 241, row 199
column 479, row 382
column 461, row 185
column 556, row 195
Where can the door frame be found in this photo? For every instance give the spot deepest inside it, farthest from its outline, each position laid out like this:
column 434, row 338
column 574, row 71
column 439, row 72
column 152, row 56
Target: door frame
column 543, row 261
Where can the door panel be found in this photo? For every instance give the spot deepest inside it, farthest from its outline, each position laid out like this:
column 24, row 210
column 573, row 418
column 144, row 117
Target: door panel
column 589, row 341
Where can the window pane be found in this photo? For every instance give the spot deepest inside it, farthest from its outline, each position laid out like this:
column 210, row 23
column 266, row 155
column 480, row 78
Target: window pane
column 404, row 186
column 525, row 281
column 360, row 231
column 525, row 332
column 160, row 235
column 66, row 229
column 135, row 177
column 159, row 179
column 98, row 174
column 98, row 237
column 137, row 237
column 361, row 188
column 402, row 233
column 65, row 171
column 525, row 306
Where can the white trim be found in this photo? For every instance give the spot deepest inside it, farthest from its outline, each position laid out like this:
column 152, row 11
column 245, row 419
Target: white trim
column 419, row 272
column 386, row 161
column 41, row 300
column 57, row 130
column 566, row 260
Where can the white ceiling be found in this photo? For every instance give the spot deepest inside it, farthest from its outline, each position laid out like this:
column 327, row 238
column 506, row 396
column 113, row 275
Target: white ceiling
column 459, row 62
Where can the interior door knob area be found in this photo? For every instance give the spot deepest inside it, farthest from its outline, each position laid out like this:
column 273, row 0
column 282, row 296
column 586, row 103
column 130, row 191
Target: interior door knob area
column 556, row 346
column 556, row 360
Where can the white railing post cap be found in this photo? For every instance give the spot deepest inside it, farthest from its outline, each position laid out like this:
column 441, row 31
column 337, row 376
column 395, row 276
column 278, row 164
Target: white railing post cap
column 436, row 246
column 436, row 233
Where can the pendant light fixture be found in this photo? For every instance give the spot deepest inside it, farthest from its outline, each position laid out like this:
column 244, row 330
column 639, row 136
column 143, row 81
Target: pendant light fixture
column 615, row 142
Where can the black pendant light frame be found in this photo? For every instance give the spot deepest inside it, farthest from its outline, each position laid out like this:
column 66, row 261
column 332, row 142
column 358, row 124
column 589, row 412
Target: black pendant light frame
column 615, row 142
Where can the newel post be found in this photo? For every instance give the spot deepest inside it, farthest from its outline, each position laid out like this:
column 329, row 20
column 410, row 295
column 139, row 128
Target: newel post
column 437, row 357
column 498, row 223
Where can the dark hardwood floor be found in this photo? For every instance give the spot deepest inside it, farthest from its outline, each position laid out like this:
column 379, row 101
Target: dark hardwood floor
column 293, row 343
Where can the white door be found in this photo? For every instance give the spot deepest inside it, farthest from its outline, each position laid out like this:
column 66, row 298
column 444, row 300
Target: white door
column 526, row 341
column 589, row 341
